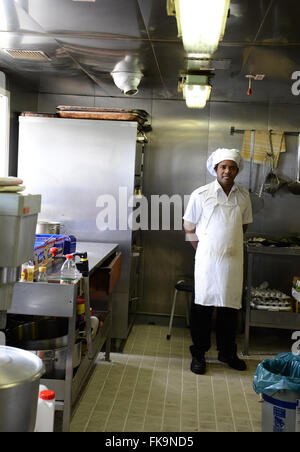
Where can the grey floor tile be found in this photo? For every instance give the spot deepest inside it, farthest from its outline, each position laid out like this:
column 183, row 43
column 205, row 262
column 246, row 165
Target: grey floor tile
column 149, row 387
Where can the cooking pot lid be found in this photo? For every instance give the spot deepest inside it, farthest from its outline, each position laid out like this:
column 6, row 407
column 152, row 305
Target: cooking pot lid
column 18, row 366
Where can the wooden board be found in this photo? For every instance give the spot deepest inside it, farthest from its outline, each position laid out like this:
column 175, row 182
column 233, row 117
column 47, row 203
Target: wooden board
column 40, row 115
column 99, row 115
column 67, row 111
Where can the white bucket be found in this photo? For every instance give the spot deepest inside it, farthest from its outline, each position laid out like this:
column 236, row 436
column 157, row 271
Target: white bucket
column 281, row 412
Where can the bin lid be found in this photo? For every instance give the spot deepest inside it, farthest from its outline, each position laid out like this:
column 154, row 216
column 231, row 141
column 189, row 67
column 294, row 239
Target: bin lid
column 18, row 366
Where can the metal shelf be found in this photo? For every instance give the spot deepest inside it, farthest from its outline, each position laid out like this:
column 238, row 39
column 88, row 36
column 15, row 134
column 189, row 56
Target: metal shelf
column 82, row 372
column 261, row 318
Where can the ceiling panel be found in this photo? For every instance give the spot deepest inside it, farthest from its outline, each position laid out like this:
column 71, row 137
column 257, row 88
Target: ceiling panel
column 13, row 17
column 245, row 19
column 158, row 24
column 282, row 23
column 103, row 54
column 86, row 41
column 171, row 58
column 117, row 17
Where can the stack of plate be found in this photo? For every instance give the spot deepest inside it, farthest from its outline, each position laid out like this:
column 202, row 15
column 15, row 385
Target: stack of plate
column 11, row 184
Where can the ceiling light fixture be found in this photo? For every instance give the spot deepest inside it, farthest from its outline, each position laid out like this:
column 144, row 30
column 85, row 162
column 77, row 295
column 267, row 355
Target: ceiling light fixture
column 201, row 23
column 127, row 82
column 196, row 90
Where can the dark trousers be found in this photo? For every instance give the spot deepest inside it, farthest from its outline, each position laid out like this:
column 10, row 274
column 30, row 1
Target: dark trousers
column 201, row 326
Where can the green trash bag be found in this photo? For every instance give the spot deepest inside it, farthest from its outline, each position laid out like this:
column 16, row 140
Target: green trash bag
column 280, row 373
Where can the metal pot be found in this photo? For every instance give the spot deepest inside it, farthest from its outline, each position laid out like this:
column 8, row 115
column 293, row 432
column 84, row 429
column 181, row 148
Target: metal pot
column 20, row 373
column 48, row 227
column 55, row 360
column 48, row 340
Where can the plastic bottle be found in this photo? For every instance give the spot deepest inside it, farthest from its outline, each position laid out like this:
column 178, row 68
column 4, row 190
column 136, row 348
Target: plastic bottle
column 30, row 272
column 42, row 274
column 24, row 272
column 68, row 271
column 45, row 412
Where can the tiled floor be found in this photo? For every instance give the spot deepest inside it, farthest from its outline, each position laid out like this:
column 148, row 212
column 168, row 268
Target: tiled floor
column 149, row 387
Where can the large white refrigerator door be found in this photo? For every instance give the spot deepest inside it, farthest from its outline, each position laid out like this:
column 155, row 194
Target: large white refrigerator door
column 77, row 164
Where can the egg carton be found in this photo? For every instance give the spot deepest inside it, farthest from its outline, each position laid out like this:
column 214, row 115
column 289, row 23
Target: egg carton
column 271, row 304
column 268, row 293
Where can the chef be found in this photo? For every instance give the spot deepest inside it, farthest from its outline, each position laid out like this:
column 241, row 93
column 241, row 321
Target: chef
column 215, row 219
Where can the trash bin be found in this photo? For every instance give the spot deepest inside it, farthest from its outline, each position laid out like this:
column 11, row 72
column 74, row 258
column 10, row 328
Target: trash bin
column 278, row 380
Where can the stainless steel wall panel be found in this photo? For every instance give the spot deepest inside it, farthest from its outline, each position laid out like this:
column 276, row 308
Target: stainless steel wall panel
column 175, row 163
column 67, row 84
column 125, row 102
column 47, row 103
column 176, row 160
column 168, row 258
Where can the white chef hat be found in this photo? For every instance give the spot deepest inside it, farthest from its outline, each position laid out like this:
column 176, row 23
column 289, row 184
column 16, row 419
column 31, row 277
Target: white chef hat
column 224, row 154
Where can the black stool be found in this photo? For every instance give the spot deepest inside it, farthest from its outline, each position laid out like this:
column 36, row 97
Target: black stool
column 183, row 285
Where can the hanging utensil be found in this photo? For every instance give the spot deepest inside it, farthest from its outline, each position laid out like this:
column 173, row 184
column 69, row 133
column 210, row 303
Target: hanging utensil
column 294, row 187
column 272, row 182
column 264, row 173
column 256, row 200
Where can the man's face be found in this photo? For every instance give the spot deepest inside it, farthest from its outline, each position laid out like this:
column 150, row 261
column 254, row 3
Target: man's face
column 227, row 171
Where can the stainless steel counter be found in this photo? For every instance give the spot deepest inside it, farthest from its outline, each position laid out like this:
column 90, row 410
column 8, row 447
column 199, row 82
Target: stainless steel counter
column 97, row 252
column 56, row 300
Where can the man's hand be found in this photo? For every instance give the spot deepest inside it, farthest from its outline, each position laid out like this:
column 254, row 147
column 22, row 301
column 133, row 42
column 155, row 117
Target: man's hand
column 190, row 235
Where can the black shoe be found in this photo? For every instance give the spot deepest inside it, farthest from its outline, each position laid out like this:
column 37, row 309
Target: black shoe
column 233, row 361
column 198, row 366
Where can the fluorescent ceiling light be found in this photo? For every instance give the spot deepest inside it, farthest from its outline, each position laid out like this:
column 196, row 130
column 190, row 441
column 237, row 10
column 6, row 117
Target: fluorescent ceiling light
column 196, row 91
column 196, row 96
column 202, row 24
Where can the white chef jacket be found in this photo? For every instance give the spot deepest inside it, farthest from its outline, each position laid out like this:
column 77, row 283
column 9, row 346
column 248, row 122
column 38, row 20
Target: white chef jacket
column 219, row 257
